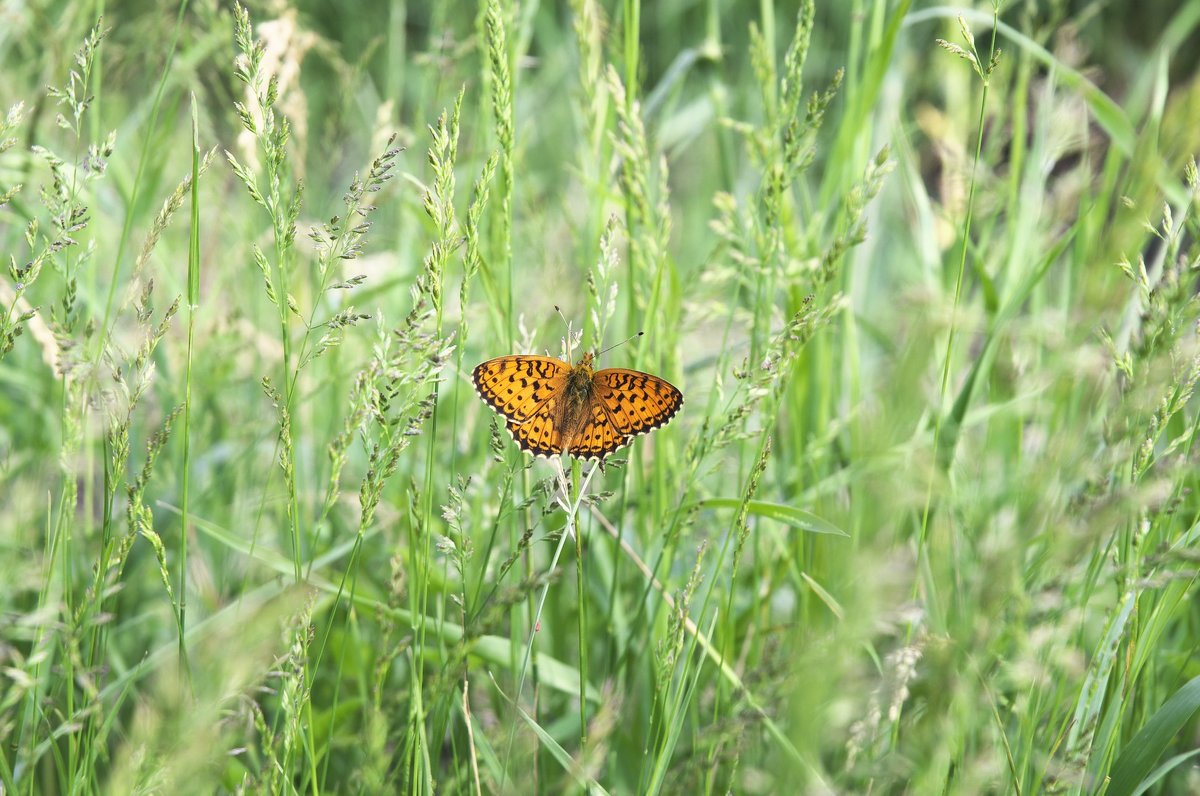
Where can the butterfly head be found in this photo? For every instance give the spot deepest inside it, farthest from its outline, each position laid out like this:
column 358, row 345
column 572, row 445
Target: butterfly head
column 585, row 364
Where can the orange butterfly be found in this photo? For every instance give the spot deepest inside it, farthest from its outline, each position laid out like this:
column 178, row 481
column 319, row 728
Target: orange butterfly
column 553, row 408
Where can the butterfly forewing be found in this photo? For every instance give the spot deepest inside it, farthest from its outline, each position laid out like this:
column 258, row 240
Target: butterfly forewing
column 518, row 387
column 636, row 402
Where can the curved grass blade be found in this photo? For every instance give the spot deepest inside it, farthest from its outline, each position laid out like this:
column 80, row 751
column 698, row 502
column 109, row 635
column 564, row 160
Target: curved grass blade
column 562, row 756
column 1129, row 772
column 1163, row 770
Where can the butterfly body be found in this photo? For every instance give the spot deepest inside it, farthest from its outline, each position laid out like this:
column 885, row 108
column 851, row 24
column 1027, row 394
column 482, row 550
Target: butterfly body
column 552, row 408
column 578, row 393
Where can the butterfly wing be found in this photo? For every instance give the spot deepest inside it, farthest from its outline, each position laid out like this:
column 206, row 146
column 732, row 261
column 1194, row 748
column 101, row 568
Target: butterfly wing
column 539, row 434
column 519, row 386
column 598, row 436
column 625, row 403
column 527, row 390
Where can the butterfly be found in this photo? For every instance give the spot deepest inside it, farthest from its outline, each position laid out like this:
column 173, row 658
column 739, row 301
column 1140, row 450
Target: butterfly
column 553, row 408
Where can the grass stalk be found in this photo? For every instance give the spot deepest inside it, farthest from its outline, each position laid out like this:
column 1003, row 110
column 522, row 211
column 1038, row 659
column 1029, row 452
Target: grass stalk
column 984, row 72
column 193, row 305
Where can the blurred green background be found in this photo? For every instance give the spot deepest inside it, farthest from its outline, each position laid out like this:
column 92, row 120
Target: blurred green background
column 926, row 523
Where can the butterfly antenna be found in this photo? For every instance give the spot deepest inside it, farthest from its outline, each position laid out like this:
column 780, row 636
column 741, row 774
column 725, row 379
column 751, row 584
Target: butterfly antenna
column 568, row 339
column 623, row 342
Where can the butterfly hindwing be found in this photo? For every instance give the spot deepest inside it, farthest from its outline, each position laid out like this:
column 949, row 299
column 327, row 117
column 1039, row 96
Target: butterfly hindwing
column 519, row 386
column 539, row 434
column 597, row 437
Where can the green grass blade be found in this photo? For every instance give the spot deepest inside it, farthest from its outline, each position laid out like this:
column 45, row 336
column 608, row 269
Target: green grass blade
column 1133, row 764
column 561, row 756
column 1166, row 768
column 1092, row 697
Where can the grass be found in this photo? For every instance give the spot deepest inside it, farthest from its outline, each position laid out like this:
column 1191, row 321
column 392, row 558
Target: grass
column 926, row 523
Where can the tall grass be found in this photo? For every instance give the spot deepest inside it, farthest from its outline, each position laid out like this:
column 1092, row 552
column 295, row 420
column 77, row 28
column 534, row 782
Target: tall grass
column 926, row 523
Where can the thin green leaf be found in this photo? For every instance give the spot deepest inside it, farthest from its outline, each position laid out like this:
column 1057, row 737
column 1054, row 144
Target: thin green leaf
column 1135, row 761
column 1164, row 769
column 558, row 753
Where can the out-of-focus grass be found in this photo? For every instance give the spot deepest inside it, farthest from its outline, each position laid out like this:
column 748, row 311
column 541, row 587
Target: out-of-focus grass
column 925, row 524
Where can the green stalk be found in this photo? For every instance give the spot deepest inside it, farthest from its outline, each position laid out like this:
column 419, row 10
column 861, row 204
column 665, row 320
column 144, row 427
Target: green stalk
column 421, row 572
column 633, row 24
column 500, row 72
column 289, row 387
column 193, row 304
column 582, row 618
column 922, row 551
column 70, row 494
column 923, row 573
column 632, row 221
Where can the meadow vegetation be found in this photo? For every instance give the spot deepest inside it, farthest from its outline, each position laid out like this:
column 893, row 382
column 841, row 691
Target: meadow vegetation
column 926, row 275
